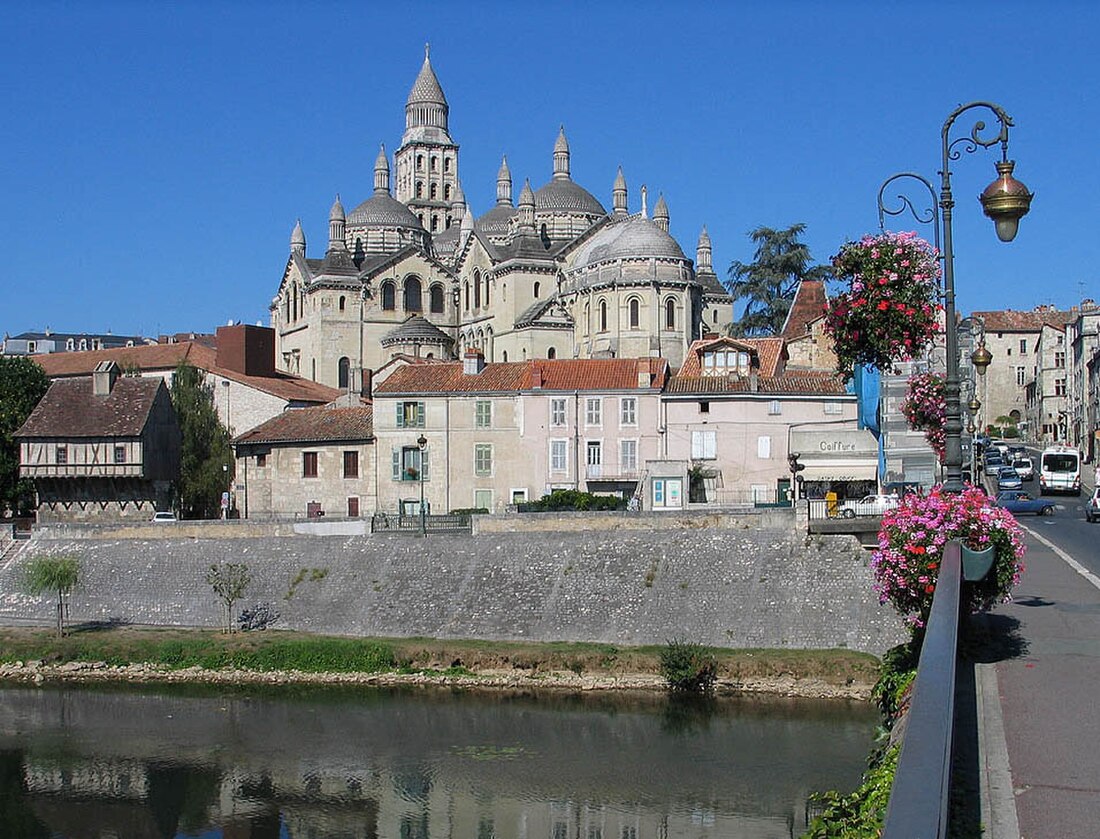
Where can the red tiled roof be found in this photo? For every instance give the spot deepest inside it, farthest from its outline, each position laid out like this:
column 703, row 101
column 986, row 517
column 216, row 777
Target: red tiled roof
column 810, row 303
column 166, row 357
column 1033, row 321
column 769, row 352
column 587, row 374
column 314, row 425
column 804, row 383
column 70, row 410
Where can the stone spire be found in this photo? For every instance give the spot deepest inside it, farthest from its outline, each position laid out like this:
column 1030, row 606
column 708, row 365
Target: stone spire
column 426, row 105
column 382, row 172
column 466, row 230
column 527, row 209
column 645, row 207
column 298, row 240
column 561, row 157
column 703, row 254
column 336, row 220
column 618, row 195
column 660, row 213
column 504, row 184
column 458, row 206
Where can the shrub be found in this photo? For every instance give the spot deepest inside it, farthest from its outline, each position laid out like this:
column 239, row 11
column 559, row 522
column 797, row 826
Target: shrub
column 57, row 575
column 688, row 667
column 571, row 499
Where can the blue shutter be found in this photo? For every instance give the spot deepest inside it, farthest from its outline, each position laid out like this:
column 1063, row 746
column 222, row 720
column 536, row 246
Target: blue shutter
column 396, row 464
column 419, row 414
column 400, row 414
column 425, row 463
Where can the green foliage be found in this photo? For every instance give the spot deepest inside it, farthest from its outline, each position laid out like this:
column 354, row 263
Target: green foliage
column 770, row 281
column 861, row 814
column 470, row 511
column 22, row 384
column 53, row 574
column 571, row 499
column 688, row 667
column 896, row 674
column 205, row 448
column 229, row 583
column 313, row 575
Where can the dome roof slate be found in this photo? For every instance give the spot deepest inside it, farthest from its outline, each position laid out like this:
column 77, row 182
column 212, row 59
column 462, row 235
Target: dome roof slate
column 416, row 329
column 497, row 221
column 383, row 210
column 632, row 238
column 562, row 194
column 426, row 88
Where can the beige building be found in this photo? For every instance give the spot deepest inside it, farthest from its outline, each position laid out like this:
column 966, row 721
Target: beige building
column 308, row 463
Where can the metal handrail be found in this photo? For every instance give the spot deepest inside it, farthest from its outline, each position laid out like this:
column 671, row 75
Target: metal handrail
column 922, row 783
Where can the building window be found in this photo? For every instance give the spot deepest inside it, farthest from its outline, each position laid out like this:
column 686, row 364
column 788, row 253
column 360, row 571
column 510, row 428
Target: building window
column 483, row 460
column 351, row 464
column 628, row 410
column 594, row 458
column 537, row 289
column 466, row 288
column 436, row 299
column 551, row 353
column 764, row 448
column 603, row 316
column 61, row 455
column 1021, row 376
column 413, row 303
column 593, row 414
column 261, row 461
column 775, row 408
column 483, row 500
column 435, row 164
column 309, row 464
column 1059, row 387
column 635, row 313
column 447, row 197
column 420, row 163
column 388, row 297
column 833, row 408
column 120, row 454
column 1023, row 346
column 410, row 414
column 477, row 290
column 1059, row 359
column 628, row 456
column 704, row 407
column 353, row 507
column 670, row 314
column 419, row 189
column 557, row 412
column 407, row 464
column 343, row 371
column 558, row 456
column 483, row 414
column 434, row 190
column 343, row 302
column 704, row 445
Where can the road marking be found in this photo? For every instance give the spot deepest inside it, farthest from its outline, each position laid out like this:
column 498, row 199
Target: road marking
column 1066, row 558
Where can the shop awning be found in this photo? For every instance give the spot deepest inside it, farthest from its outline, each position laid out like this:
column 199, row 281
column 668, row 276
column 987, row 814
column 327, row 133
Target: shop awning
column 851, row 470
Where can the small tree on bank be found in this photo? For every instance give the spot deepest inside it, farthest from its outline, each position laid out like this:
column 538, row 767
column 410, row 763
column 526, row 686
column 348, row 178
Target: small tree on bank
column 56, row 574
column 206, row 459
column 229, row 583
column 22, row 384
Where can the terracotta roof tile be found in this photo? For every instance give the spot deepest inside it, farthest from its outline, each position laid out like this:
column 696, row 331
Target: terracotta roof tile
column 509, row 377
column 810, row 303
column 769, row 352
column 70, row 410
column 808, row 383
column 314, row 425
column 1033, row 321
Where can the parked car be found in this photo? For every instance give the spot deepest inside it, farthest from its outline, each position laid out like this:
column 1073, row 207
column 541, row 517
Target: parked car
column 1008, row 479
column 902, row 488
column 1092, row 506
column 869, row 505
column 1024, row 468
column 993, row 463
column 1017, row 502
column 1016, row 451
column 999, row 445
column 163, row 517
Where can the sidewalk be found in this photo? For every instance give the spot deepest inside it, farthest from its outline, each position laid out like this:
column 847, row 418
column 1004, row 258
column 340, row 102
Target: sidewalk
column 1038, row 687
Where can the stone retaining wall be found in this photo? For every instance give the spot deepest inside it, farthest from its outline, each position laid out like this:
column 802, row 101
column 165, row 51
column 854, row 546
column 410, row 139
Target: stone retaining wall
column 718, row 586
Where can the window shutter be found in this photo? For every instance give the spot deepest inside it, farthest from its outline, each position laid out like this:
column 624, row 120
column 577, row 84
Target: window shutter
column 396, row 464
column 419, row 414
column 764, row 448
column 400, row 414
column 425, row 461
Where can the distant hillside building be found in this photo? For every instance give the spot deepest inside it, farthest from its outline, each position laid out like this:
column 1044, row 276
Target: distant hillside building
column 42, row 343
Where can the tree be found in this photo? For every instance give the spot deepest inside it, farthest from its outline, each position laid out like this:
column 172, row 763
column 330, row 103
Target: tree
column 58, row 574
column 22, row 384
column 229, row 583
column 770, row 281
column 206, row 459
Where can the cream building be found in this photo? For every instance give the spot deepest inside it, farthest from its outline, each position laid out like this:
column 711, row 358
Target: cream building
column 554, row 276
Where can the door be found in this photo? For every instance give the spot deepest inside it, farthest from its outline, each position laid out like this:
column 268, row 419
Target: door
column 353, row 507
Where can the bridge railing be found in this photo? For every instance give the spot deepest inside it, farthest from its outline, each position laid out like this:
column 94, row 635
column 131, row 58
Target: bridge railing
column 922, row 784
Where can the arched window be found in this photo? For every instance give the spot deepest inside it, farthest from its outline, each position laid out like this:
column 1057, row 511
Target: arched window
column 551, row 353
column 446, row 164
column 343, row 371
column 436, row 302
column 537, row 286
column 635, row 313
column 343, row 302
column 434, row 191
column 504, row 356
column 447, row 192
column 420, row 163
column 486, row 290
column 670, row 314
column 466, row 287
column 435, row 163
column 587, row 315
column 420, row 190
column 603, row 316
column 413, row 303
column 477, row 290
column 480, row 341
column 388, row 295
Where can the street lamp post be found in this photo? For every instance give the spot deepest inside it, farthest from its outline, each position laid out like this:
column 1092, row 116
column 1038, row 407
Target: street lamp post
column 422, row 444
column 1005, row 201
column 973, row 406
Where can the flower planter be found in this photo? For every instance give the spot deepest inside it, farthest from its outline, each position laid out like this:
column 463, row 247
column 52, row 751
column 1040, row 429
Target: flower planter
column 976, row 564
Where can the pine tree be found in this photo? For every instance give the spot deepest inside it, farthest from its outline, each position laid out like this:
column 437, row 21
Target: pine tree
column 205, row 448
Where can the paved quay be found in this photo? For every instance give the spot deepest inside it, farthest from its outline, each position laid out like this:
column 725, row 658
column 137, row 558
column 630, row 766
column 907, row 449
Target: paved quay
column 1039, row 729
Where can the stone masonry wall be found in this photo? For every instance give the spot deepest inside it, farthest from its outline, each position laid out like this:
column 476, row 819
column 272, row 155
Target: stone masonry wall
column 733, row 588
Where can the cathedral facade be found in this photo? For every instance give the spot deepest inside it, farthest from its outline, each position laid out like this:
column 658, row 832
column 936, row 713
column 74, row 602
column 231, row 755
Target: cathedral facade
column 413, row 271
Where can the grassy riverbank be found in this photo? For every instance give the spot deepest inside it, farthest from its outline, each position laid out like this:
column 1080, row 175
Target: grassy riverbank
column 841, row 673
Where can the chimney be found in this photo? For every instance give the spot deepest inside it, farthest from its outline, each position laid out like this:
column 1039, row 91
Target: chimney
column 246, row 349
column 367, row 383
column 536, row 377
column 473, row 362
column 643, row 373
column 754, row 380
column 104, row 377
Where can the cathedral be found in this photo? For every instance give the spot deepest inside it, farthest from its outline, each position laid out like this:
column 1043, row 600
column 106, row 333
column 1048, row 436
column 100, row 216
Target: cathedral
column 412, row 271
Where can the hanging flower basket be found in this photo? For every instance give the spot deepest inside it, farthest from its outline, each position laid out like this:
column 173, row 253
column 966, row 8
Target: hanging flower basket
column 912, row 538
column 925, row 409
column 889, row 312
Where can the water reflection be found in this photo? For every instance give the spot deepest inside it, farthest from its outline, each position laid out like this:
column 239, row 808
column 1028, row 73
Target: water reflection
column 415, row 764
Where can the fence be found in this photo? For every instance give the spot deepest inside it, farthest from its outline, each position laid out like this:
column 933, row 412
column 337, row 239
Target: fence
column 414, row 525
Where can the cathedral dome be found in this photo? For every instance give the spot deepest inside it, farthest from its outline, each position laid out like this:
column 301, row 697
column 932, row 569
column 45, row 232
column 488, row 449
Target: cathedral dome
column 383, row 210
column 563, row 195
column 632, row 239
column 497, row 221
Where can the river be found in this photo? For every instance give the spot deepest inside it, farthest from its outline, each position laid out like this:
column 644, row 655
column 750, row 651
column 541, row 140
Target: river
column 414, row 763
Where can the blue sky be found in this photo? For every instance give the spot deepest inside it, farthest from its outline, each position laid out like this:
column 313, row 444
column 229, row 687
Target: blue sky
column 156, row 155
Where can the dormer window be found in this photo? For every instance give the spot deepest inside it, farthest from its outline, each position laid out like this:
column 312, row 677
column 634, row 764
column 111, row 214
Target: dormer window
column 723, row 362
